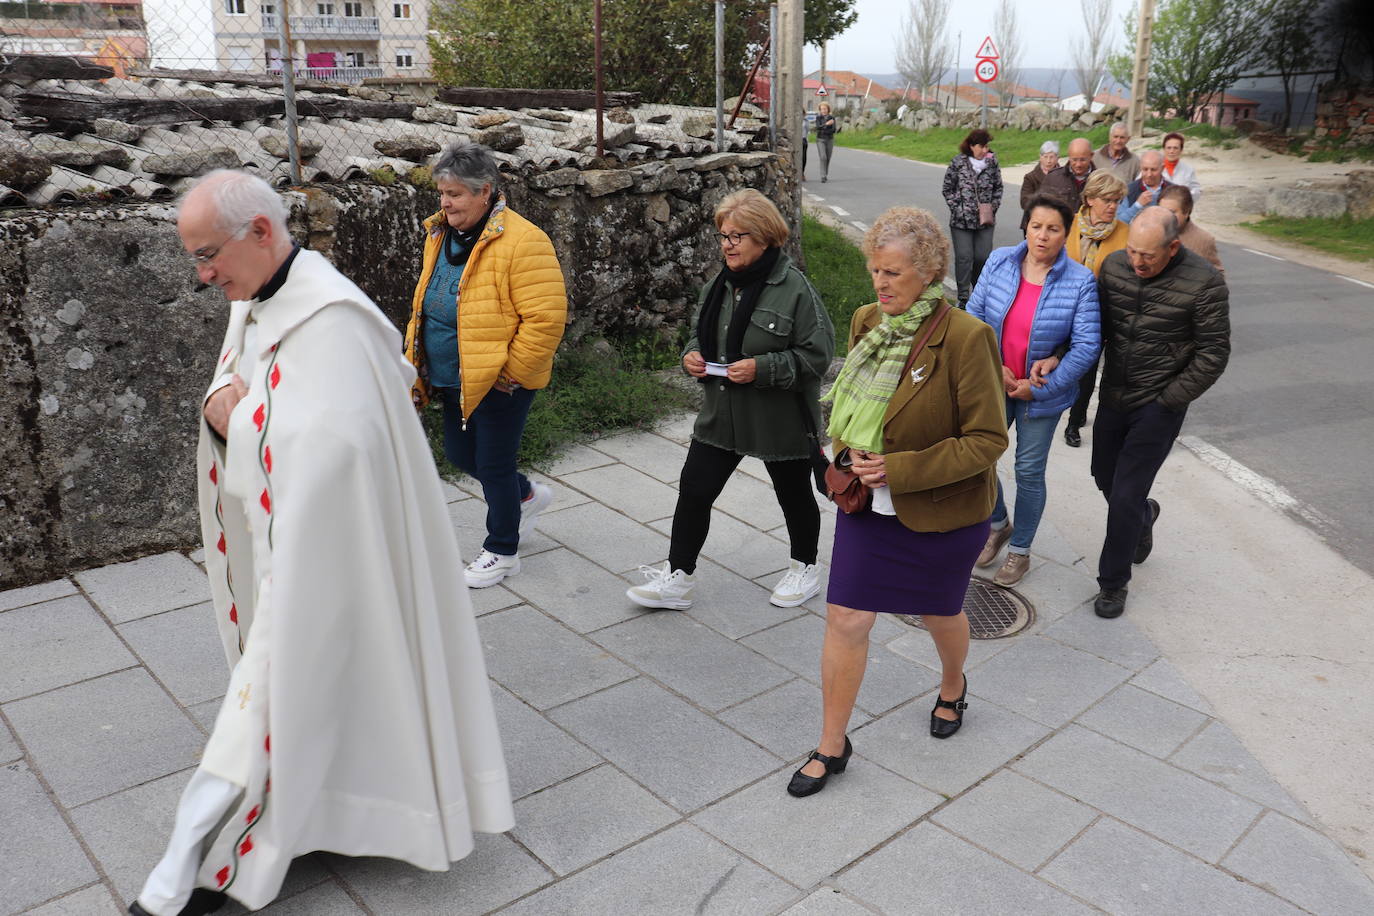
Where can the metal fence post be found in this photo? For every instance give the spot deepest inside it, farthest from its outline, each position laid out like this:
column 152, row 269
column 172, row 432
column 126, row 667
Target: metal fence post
column 288, row 88
column 720, row 75
column 773, row 77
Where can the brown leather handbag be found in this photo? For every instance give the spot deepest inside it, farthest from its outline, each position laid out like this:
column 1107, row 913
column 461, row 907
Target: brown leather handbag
column 843, row 487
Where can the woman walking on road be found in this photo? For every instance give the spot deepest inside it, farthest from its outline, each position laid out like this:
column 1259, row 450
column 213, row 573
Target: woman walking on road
column 825, row 137
column 973, row 192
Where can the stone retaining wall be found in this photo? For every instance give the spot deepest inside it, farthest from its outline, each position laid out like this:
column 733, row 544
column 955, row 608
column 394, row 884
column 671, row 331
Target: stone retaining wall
column 1343, row 110
column 106, row 338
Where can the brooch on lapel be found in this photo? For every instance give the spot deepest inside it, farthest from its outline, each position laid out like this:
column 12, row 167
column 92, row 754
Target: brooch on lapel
column 918, row 375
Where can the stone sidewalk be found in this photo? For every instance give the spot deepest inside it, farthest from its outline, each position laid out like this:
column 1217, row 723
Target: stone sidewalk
column 649, row 750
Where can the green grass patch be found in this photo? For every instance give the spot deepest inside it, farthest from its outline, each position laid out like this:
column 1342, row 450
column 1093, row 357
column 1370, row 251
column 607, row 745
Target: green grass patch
column 941, row 144
column 1345, row 237
column 837, row 269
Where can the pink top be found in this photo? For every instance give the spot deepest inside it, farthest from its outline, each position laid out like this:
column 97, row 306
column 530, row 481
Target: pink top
column 1016, row 327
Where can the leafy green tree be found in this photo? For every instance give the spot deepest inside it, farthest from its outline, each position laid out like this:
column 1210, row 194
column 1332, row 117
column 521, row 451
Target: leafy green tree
column 664, row 49
column 1199, row 48
column 1287, row 46
column 827, row 19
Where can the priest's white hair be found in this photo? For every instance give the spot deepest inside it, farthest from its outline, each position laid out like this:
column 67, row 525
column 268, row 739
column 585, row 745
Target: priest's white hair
column 236, row 197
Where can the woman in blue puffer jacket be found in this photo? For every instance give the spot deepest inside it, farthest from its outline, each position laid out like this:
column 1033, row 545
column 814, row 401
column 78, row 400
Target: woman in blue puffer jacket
column 1043, row 306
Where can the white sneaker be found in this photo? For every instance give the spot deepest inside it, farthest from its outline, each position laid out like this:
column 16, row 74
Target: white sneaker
column 799, row 584
column 663, row 588
column 490, row 568
column 538, row 500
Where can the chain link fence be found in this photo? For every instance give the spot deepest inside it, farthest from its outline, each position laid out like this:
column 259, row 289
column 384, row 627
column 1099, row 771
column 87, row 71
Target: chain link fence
column 106, row 99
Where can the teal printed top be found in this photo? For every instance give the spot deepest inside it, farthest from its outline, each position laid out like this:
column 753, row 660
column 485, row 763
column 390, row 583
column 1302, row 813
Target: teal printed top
column 441, row 323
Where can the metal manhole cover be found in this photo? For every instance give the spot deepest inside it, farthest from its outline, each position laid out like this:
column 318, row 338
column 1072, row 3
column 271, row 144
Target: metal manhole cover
column 993, row 612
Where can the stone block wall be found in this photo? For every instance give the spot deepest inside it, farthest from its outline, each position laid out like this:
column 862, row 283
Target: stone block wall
column 106, row 338
column 1346, row 109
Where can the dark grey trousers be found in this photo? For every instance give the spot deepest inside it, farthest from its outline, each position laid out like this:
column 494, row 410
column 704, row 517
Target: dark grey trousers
column 825, row 146
column 971, row 250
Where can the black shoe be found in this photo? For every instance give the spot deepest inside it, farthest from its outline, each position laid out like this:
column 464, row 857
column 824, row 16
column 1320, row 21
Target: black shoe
column 943, row 728
column 1110, row 602
column 803, row 785
column 1071, row 437
column 1147, row 534
column 202, row 902
column 824, row 179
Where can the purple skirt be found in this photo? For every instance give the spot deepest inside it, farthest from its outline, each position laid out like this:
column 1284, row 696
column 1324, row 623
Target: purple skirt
column 881, row 565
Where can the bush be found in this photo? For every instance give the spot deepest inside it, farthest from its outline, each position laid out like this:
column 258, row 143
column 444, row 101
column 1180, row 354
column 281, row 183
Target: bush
column 838, row 271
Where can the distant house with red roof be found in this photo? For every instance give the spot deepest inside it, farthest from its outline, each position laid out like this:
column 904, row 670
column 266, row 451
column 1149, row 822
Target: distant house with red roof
column 1224, row 108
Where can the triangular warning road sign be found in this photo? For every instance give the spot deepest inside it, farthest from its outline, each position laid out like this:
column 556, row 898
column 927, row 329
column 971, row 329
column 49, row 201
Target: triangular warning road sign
column 821, row 90
column 988, row 49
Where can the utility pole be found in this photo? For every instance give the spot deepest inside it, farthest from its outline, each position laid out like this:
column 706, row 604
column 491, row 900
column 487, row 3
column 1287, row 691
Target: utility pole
column 720, row 75
column 1140, row 76
column 773, row 41
column 288, row 88
column 823, row 44
column 789, row 86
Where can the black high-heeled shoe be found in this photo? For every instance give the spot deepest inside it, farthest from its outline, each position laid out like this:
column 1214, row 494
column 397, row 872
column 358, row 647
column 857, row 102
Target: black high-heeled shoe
column 803, row 785
column 943, row 728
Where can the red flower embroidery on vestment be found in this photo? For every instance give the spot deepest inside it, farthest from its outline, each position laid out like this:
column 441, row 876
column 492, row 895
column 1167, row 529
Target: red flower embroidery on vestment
column 266, row 502
column 233, row 613
column 222, row 875
column 227, row 353
column 214, row 475
column 246, row 846
column 220, row 545
column 274, row 349
column 275, row 377
column 259, row 416
column 267, row 458
column 267, row 746
column 252, row 815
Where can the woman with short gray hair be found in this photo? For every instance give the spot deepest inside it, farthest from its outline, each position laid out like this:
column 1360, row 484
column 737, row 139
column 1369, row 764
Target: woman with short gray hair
column 1030, row 185
column 485, row 360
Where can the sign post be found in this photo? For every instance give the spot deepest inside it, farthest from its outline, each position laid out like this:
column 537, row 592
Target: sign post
column 985, row 71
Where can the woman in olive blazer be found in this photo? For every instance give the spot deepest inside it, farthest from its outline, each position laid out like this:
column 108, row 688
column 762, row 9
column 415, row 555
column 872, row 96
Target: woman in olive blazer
column 925, row 441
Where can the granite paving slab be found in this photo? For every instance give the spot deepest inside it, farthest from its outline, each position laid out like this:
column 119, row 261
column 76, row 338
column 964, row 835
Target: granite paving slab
column 626, row 490
column 647, row 452
column 679, row 428
column 9, row 748
column 1161, row 677
column 33, row 594
column 470, row 525
column 682, row 755
column 1016, row 818
column 575, row 590
column 1216, row 754
column 127, row 591
column 917, row 646
column 799, row 839
column 104, row 735
column 183, row 649
column 587, row 817
column 752, row 501
column 496, row 872
column 1122, row 870
column 1143, row 720
column 1046, row 681
column 691, row 659
column 541, row 661
column 1302, row 866
column 680, row 872
column 786, row 720
column 738, row 547
column 729, row 603
column 206, row 713
column 827, row 901
column 1117, row 641
column 911, row 875
column 1173, row 805
column 58, row 642
column 605, row 537
column 575, row 458
column 1054, row 589
column 89, row 901
column 492, row 598
column 39, row 857
column 538, row 753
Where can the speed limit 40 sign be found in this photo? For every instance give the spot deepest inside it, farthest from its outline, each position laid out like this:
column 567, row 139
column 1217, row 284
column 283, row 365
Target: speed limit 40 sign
column 986, row 71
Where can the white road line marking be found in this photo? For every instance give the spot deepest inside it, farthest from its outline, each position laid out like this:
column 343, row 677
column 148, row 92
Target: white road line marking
column 839, row 211
column 1263, row 254
column 815, row 197
column 1256, row 484
column 862, row 227
column 1358, row 282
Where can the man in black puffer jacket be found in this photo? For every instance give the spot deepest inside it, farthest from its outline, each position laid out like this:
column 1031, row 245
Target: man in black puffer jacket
column 1166, row 337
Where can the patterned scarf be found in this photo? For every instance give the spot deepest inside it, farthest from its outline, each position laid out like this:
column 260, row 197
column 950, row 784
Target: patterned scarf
column 1090, row 236
column 872, row 371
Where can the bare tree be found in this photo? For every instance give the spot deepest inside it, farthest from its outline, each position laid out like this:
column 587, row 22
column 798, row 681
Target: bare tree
column 1004, row 34
column 1090, row 52
column 924, row 51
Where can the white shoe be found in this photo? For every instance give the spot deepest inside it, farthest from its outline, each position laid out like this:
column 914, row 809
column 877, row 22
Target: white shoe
column 538, row 500
column 799, row 584
column 490, row 568
column 663, row 588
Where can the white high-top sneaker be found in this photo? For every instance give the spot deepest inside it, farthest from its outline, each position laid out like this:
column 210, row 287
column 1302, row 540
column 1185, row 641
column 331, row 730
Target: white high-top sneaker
column 663, row 587
column 490, row 568
column 799, row 584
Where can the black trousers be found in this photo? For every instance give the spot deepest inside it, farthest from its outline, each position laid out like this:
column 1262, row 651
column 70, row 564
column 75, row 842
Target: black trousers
column 705, row 474
column 1129, row 447
column 1078, row 413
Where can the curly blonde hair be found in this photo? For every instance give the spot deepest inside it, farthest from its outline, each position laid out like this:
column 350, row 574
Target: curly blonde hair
column 1103, row 185
column 917, row 233
column 752, row 212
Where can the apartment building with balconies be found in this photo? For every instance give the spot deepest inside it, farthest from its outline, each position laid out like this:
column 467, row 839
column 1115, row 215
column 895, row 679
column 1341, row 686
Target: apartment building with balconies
column 344, row 41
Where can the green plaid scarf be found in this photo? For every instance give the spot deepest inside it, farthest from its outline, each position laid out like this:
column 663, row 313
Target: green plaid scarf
column 871, row 373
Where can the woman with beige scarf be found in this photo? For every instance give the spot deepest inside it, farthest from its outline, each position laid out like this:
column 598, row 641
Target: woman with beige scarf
column 1096, row 233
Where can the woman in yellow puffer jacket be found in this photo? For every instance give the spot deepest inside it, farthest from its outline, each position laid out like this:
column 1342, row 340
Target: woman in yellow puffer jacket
column 488, row 314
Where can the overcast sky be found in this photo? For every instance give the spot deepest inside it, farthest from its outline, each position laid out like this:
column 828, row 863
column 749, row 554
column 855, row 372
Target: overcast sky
column 1046, row 28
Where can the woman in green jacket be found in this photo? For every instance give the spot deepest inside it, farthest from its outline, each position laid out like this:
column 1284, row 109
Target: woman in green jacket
column 761, row 341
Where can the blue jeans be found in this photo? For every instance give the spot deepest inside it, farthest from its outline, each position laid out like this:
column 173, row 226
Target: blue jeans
column 1033, row 438
column 487, row 450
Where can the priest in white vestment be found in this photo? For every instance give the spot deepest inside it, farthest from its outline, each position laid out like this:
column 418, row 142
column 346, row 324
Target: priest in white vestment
column 358, row 717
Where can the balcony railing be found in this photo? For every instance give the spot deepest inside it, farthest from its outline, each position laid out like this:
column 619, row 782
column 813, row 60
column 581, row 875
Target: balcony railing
column 342, row 74
column 324, row 26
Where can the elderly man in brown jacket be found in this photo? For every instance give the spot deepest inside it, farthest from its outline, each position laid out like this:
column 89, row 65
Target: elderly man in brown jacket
column 1067, row 181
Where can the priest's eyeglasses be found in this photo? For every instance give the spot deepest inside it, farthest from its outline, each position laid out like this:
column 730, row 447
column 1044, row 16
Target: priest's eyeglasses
column 203, row 257
column 731, row 238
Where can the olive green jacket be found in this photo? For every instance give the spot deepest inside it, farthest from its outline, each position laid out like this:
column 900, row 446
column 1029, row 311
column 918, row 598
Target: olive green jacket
column 792, row 340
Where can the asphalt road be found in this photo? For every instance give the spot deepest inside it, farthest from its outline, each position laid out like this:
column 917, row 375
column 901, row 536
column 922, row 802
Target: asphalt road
column 1293, row 416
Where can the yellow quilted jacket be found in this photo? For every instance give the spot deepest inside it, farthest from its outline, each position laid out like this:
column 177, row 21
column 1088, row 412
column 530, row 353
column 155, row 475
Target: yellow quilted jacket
column 512, row 307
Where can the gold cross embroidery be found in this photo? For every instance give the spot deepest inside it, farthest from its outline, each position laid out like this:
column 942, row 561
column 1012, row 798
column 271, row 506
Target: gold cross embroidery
column 244, row 695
